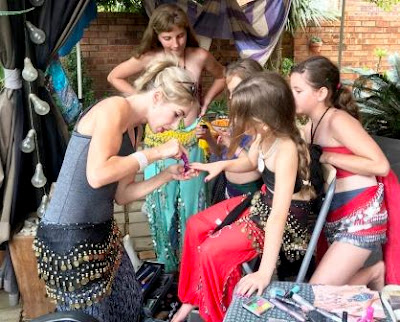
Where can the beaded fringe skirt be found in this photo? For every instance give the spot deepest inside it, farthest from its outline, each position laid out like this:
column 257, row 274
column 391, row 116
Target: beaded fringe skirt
column 361, row 222
column 85, row 268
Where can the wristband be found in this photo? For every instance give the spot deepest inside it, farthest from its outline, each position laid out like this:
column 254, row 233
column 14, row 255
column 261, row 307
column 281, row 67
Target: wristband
column 141, row 159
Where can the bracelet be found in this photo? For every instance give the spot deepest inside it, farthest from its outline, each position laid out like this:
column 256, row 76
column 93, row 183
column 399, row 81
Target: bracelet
column 141, row 159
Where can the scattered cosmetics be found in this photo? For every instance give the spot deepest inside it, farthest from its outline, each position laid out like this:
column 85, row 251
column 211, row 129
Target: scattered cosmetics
column 357, row 304
column 257, row 305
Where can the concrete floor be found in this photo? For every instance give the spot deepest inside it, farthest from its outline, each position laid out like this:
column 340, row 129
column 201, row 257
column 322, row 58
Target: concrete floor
column 8, row 313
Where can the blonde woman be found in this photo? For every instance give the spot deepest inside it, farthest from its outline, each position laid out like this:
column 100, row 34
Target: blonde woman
column 78, row 247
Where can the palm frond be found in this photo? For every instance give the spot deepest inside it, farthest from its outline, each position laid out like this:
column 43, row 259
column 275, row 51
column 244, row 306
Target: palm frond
column 378, row 96
column 308, row 12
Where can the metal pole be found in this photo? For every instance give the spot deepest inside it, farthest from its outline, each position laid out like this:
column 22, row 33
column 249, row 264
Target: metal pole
column 79, row 70
column 341, row 34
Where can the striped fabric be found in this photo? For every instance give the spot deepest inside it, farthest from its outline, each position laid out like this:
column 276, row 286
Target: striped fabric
column 255, row 27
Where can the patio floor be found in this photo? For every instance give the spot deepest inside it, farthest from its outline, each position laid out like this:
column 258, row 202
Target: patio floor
column 8, row 313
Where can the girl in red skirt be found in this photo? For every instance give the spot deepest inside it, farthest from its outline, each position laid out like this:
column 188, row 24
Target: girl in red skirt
column 221, row 238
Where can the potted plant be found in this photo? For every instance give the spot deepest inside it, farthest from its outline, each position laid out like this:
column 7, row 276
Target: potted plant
column 315, row 44
column 378, row 95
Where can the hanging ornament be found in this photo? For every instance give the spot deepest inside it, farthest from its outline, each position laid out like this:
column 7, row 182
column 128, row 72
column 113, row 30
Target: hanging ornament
column 42, row 207
column 36, row 3
column 29, row 73
column 38, row 180
column 36, row 35
column 28, row 144
column 41, row 107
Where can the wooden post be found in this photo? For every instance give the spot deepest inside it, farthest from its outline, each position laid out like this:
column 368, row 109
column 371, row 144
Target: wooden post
column 32, row 289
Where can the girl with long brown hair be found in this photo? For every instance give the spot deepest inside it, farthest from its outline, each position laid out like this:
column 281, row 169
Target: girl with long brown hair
column 221, row 238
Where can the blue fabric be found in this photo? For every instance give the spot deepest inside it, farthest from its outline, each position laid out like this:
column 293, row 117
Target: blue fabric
column 63, row 93
column 88, row 15
column 341, row 198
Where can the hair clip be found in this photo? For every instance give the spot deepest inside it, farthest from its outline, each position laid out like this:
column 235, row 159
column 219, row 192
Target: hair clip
column 192, row 88
column 339, row 86
column 306, row 183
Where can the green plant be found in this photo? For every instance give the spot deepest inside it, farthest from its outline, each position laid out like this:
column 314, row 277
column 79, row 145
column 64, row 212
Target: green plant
column 69, row 64
column 379, row 53
column 308, row 12
column 384, row 4
column 315, row 40
column 135, row 6
column 218, row 107
column 378, row 95
column 286, row 66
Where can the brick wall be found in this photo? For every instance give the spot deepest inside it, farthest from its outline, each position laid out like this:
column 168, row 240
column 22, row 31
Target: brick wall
column 366, row 28
column 110, row 39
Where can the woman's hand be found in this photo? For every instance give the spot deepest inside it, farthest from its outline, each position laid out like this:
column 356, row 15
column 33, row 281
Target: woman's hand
column 171, row 149
column 177, row 172
column 251, row 283
column 213, row 169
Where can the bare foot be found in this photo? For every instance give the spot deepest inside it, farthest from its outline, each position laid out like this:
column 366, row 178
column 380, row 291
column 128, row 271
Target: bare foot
column 183, row 312
column 377, row 272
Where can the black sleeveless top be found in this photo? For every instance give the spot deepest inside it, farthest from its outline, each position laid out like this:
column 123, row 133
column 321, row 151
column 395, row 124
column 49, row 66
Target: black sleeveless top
column 269, row 180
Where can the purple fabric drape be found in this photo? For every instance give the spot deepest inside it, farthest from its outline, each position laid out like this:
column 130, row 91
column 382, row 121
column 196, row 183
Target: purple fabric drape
column 255, row 27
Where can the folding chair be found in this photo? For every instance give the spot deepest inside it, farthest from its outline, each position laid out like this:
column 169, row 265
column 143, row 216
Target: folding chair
column 319, row 225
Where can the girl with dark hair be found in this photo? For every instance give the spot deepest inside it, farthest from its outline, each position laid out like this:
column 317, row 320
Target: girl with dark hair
column 221, row 238
column 170, row 34
column 78, row 247
column 356, row 223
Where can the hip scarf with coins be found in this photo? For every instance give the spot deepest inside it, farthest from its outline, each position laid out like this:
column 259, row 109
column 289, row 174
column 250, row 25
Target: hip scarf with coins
column 78, row 262
column 362, row 221
column 297, row 228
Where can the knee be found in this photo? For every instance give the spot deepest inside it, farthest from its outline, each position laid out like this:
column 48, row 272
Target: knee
column 379, row 269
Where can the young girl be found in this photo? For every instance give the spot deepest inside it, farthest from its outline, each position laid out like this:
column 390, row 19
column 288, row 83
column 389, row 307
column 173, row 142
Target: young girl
column 221, row 238
column 169, row 33
column 356, row 224
column 78, row 247
column 230, row 184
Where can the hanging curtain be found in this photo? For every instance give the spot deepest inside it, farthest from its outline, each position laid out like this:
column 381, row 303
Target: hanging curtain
column 11, row 116
column 17, row 196
column 11, row 123
column 255, row 27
